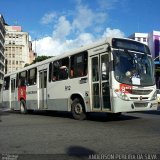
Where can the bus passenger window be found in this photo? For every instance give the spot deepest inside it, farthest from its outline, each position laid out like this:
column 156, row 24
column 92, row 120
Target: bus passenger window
column 55, row 71
column 32, row 76
column 23, row 78
column 6, row 83
column 60, row 69
column 50, row 72
column 79, row 63
column 63, row 73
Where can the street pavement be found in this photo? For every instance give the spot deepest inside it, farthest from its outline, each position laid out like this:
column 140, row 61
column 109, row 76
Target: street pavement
column 57, row 133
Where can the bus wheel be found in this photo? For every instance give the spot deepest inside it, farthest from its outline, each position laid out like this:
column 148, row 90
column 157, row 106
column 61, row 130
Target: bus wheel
column 23, row 108
column 77, row 109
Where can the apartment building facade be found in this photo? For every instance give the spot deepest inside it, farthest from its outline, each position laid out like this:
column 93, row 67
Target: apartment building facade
column 16, row 48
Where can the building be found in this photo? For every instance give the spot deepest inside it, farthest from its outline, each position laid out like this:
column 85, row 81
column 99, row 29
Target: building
column 154, row 44
column 32, row 54
column 16, row 48
column 2, row 41
column 141, row 37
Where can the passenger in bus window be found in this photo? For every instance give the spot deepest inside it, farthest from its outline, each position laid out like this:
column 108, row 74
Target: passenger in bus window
column 63, row 74
column 80, row 72
column 71, row 72
column 54, row 78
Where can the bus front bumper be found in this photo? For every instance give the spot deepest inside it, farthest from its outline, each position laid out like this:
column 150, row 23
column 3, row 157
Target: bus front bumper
column 120, row 105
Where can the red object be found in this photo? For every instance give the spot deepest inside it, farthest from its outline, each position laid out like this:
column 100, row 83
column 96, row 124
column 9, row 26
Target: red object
column 22, row 93
column 17, row 28
column 125, row 88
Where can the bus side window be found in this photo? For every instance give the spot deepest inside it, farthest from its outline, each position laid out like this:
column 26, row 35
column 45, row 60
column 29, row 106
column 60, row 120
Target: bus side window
column 50, row 72
column 60, row 69
column 17, row 80
column 55, row 71
column 6, row 83
column 32, row 76
column 79, row 63
column 23, row 78
column 12, row 85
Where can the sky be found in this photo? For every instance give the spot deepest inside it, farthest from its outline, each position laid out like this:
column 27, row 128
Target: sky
column 61, row 25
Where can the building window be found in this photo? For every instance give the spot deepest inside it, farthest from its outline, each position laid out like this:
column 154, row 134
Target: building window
column 138, row 39
column 144, row 39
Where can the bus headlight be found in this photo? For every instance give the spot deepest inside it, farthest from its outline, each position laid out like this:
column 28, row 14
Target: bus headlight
column 154, row 97
column 121, row 95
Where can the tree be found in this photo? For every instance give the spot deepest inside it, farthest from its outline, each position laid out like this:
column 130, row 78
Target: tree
column 27, row 64
column 40, row 58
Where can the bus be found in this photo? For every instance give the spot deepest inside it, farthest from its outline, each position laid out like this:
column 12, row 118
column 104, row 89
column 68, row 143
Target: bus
column 113, row 75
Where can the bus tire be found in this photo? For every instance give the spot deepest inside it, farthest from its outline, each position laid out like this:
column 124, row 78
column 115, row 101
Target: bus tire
column 77, row 109
column 23, row 108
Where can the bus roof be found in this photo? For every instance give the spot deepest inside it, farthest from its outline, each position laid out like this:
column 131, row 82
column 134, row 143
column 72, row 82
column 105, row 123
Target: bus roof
column 69, row 53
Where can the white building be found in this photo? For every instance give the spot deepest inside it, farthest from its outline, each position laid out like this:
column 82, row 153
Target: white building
column 16, row 48
column 141, row 37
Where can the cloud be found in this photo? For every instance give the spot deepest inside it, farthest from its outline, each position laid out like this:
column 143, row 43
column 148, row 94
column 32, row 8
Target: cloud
column 83, row 19
column 48, row 18
column 62, row 28
column 113, row 33
column 83, row 26
column 87, row 18
column 107, row 4
column 53, row 47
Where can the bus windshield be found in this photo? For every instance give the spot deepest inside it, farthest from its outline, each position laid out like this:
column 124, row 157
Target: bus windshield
column 133, row 68
column 130, row 45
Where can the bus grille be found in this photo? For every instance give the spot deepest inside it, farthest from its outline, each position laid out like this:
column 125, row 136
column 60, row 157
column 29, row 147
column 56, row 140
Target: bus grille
column 140, row 104
column 141, row 92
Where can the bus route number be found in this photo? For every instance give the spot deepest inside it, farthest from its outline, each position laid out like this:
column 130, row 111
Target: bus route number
column 67, row 88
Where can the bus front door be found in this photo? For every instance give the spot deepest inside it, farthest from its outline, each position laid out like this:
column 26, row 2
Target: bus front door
column 100, row 82
column 42, row 89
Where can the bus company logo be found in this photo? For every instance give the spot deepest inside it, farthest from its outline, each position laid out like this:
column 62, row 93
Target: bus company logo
column 124, row 88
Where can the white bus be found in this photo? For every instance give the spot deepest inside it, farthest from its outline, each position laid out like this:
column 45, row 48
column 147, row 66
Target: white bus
column 113, row 75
